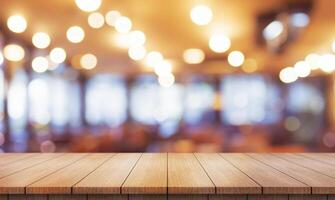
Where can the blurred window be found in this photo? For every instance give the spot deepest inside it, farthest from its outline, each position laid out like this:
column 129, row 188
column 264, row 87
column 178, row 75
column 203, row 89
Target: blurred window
column 106, row 100
column 249, row 99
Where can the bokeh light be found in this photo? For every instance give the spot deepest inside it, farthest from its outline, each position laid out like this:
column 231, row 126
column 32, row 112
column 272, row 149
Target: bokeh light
column 88, row 5
column 137, row 52
column 162, row 68
column 327, row 63
column 153, row 58
column 123, row 24
column 111, row 17
column 88, row 61
column 166, row 80
column 235, row 58
column 201, row 15
column 40, row 64
column 193, row 56
column 57, row 55
column 288, row 75
column 313, row 61
column 17, row 23
column 96, row 20
column 75, row 34
column 13, row 52
column 219, row 43
column 41, row 40
column 302, row 69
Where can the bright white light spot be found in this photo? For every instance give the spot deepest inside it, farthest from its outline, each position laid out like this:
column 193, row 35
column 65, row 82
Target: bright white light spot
column 201, row 15
column 219, row 43
column 302, row 69
column 41, row 40
column 153, row 58
column 136, row 38
column 123, row 25
column 111, row 17
column 88, row 61
column 40, row 64
column 96, row 20
column 163, row 68
column 273, row 30
column 193, row 56
column 327, row 63
column 166, row 80
column 235, row 58
column 313, row 60
column 137, row 52
column 300, row 19
column 88, row 5
column 13, row 52
column 17, row 23
column 75, row 34
column 58, row 55
column 288, row 75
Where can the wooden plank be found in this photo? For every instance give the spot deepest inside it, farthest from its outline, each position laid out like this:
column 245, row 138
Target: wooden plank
column 16, row 183
column 227, row 197
column 227, row 178
column 188, row 197
column 27, row 197
column 321, row 157
column 67, row 197
column 186, row 176
column 14, row 167
column 272, row 180
column 107, row 197
column 7, row 158
column 149, row 176
column 267, row 197
column 109, row 177
column 147, row 197
column 307, row 197
column 321, row 167
column 62, row 181
column 321, row 184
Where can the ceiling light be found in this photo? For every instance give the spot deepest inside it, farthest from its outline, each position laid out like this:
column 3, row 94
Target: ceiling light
column 88, row 61
column 201, row 15
column 164, row 67
column 88, row 5
column 300, row 19
column 153, row 58
column 302, row 69
column 96, row 20
column 123, row 25
column 57, row 55
column 288, row 75
column 17, row 23
column 41, row 40
column 235, row 58
column 137, row 52
column 327, row 63
column 193, row 56
column 40, row 64
column 111, row 17
column 75, row 34
column 166, row 80
column 313, row 60
column 219, row 43
column 13, row 52
column 273, row 30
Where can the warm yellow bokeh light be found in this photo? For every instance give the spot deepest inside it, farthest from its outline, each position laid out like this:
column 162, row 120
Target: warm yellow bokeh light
column 327, row 63
column 13, row 52
column 41, row 40
column 137, row 52
column 75, row 34
column 96, row 20
column 163, row 68
column 88, row 5
column 219, row 43
column 17, row 23
column 123, row 25
column 166, row 80
column 40, row 64
column 136, row 38
column 302, row 69
column 201, row 15
column 235, row 58
column 111, row 17
column 313, row 60
column 88, row 61
column 57, row 55
column 288, row 75
column 193, row 56
column 250, row 65
column 153, row 58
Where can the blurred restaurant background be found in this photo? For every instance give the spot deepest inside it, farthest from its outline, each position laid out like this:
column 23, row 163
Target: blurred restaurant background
column 167, row 75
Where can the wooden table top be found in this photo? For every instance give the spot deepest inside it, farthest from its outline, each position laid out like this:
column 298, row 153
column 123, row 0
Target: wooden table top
column 167, row 173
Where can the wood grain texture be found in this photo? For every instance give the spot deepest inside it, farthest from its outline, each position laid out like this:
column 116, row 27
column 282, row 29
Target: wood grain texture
column 147, row 197
column 107, row 197
column 16, row 183
column 109, row 177
column 149, row 176
column 227, row 197
column 308, row 197
column 186, row 175
column 272, row 180
column 29, row 161
column 268, row 197
column 321, row 167
column 227, row 178
column 7, row 158
column 61, row 182
column 321, row 184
